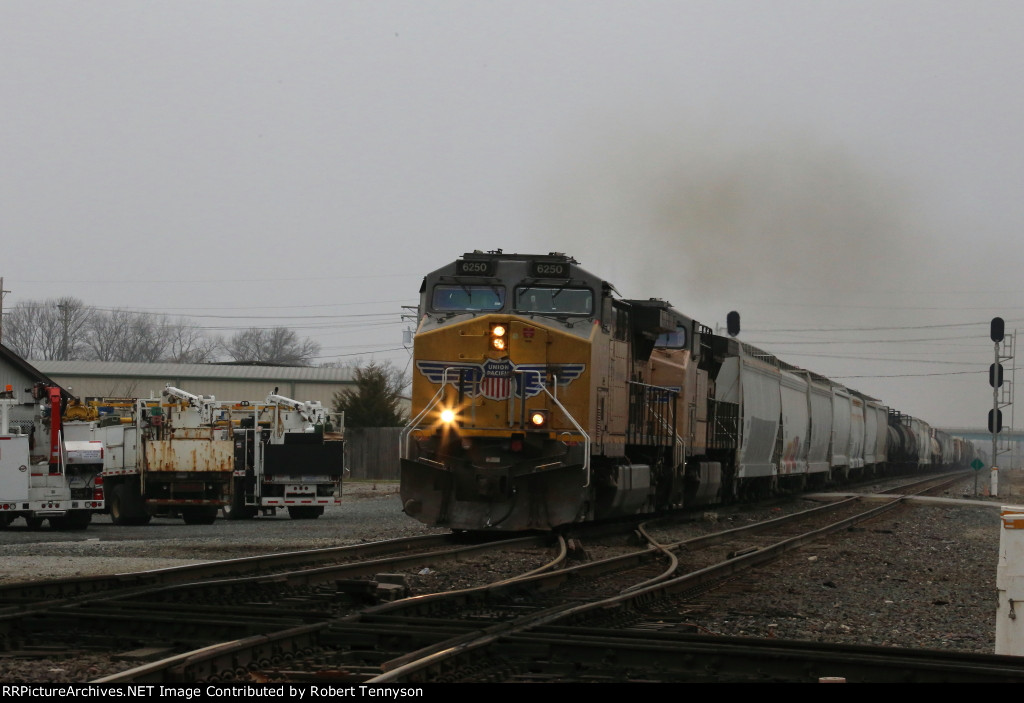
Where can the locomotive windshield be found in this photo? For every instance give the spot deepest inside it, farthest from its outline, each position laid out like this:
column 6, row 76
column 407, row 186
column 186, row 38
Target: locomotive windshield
column 672, row 340
column 555, row 300
column 464, row 298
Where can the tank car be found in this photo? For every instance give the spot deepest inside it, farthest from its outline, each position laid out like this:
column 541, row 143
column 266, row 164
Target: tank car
column 540, row 397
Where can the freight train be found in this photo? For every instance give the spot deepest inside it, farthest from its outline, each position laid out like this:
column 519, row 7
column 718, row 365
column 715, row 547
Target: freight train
column 541, row 398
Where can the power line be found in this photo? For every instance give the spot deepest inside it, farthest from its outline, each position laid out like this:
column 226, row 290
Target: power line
column 858, row 341
column 912, row 375
column 869, row 329
column 880, row 359
column 96, row 308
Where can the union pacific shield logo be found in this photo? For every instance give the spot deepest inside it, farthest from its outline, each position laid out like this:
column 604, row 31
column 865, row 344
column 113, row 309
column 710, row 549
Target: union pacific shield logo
column 496, row 383
column 497, row 379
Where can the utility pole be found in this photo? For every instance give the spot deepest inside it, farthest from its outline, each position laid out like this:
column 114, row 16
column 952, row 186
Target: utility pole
column 64, row 324
column 2, row 294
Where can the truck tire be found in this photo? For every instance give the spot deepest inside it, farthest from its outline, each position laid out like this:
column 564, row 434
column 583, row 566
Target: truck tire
column 118, row 506
column 236, row 509
column 126, row 507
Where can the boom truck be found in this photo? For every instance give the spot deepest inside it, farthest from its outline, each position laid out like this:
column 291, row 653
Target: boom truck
column 288, row 454
column 191, row 456
column 165, row 457
column 64, row 485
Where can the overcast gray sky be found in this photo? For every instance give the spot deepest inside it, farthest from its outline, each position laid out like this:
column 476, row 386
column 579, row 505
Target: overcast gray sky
column 839, row 172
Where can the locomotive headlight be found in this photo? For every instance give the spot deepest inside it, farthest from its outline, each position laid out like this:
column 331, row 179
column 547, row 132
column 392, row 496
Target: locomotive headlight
column 538, row 418
column 498, row 333
column 447, row 416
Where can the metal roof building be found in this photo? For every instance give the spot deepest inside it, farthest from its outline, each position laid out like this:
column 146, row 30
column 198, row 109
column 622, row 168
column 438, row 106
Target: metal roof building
column 21, row 376
column 117, row 379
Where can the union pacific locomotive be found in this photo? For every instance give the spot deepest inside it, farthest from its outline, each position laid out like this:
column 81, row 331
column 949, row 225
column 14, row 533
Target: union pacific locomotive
column 541, row 398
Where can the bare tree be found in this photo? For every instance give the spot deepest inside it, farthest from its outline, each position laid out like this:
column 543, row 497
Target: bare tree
column 119, row 336
column 64, row 328
column 21, row 333
column 48, row 329
column 277, row 345
column 125, row 335
column 185, row 343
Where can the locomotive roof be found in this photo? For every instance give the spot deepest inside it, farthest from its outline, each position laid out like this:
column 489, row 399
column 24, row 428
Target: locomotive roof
column 524, row 268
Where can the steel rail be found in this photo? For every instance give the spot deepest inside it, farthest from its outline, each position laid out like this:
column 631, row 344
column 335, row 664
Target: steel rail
column 478, row 638
column 18, row 598
column 408, row 668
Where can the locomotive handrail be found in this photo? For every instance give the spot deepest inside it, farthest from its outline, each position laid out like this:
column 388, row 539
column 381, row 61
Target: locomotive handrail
column 558, row 404
column 415, row 422
column 679, row 450
column 403, row 438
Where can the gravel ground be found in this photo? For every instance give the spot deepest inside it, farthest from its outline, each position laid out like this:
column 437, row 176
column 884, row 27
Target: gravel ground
column 923, row 577
column 368, row 512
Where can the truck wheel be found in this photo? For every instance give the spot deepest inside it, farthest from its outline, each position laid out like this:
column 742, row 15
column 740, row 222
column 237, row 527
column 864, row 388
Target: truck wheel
column 34, row 523
column 118, row 506
column 236, row 509
column 127, row 507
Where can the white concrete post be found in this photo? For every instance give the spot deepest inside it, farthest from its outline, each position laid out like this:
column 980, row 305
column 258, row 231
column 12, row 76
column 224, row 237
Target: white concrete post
column 994, row 485
column 1010, row 582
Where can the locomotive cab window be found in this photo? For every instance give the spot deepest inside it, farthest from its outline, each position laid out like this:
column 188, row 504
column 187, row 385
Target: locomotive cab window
column 554, row 300
column 447, row 298
column 672, row 340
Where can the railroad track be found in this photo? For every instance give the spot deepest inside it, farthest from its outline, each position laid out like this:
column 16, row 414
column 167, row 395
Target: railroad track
column 186, row 608
column 619, row 603
column 42, row 594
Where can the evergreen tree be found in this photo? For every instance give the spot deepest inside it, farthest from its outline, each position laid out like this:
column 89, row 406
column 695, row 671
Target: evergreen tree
column 376, row 400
